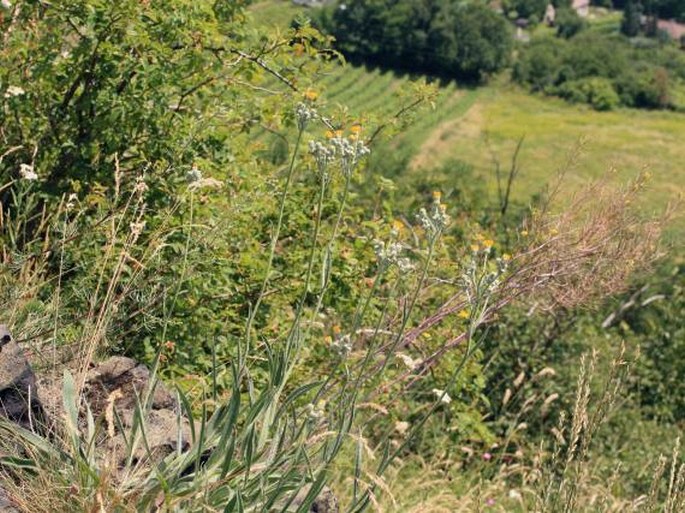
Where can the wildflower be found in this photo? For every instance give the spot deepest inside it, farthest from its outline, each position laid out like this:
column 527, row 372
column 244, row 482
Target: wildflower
column 506, row 257
column 137, row 228
column 408, row 361
column 356, row 129
column 442, row 395
column 515, row 495
column 404, row 265
column 464, row 314
column 314, row 412
column 311, row 95
column 342, row 346
column 324, row 155
column 194, row 175
column 351, row 151
column 553, row 232
column 397, row 227
column 435, row 221
column 169, row 345
column 490, row 502
column 330, row 134
column 475, row 248
column 487, row 456
column 402, row 426
column 71, row 201
column 524, row 233
column 27, row 172
column 304, row 115
column 141, row 187
column 437, row 195
column 488, row 243
column 14, row 91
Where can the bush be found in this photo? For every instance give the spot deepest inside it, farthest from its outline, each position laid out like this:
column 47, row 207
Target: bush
column 569, row 23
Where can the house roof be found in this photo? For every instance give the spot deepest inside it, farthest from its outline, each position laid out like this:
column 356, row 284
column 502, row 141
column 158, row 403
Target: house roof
column 675, row 30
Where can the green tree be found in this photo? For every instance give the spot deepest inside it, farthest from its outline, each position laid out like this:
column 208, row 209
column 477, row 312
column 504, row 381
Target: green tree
column 568, row 23
column 630, row 25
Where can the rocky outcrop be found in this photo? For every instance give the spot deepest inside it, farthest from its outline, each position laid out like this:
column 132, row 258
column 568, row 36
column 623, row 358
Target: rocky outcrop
column 112, row 390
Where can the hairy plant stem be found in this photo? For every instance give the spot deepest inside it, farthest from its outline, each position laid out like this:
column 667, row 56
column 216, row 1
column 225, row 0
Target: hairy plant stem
column 272, row 249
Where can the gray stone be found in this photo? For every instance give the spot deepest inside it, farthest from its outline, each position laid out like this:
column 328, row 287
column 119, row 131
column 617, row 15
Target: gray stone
column 130, row 378
column 19, row 401
column 326, row 502
column 6, row 505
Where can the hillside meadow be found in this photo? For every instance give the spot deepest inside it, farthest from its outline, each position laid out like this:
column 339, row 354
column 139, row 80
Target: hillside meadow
column 240, row 274
column 480, row 126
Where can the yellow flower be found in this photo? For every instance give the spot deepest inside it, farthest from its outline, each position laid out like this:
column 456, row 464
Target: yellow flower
column 328, row 339
column 506, row 257
column 464, row 314
column 475, row 248
column 329, row 134
column 524, row 233
column 488, row 243
column 311, row 95
column 437, row 195
column 480, row 237
column 554, row 232
column 398, row 225
column 336, row 329
column 338, row 133
column 356, row 128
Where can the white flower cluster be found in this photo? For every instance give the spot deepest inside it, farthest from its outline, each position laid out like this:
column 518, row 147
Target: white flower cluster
column 347, row 151
column 409, row 362
column 477, row 282
column 194, row 175
column 324, row 155
column 435, row 221
column 14, row 91
column 27, row 172
column 342, row 346
column 351, row 151
column 304, row 114
column 390, row 253
column 314, row 413
column 71, row 201
column 442, row 395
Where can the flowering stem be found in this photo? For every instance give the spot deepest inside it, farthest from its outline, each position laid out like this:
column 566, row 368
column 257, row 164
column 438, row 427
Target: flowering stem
column 412, row 303
column 274, row 241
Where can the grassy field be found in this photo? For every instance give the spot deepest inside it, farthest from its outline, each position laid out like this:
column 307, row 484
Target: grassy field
column 479, row 125
column 626, row 141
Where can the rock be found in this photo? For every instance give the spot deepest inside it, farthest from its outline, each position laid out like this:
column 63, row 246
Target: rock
column 130, row 378
column 19, row 400
column 6, row 505
column 5, row 337
column 326, row 502
column 119, row 380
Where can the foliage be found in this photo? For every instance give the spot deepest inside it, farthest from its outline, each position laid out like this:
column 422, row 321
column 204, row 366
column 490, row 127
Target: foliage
column 449, row 39
column 568, row 22
column 220, row 219
column 642, row 77
column 632, row 12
